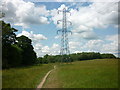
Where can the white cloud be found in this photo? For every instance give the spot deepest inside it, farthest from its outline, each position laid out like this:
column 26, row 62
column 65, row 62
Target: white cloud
column 77, row 52
column 112, row 38
column 86, row 19
column 96, row 15
column 55, row 49
column 57, row 37
column 24, row 13
column 42, row 50
column 63, row 6
column 57, row 16
column 93, row 45
column 34, row 37
column 111, row 47
column 39, row 48
column 46, row 49
column 74, row 45
column 107, row 45
column 102, row 46
column 81, row 29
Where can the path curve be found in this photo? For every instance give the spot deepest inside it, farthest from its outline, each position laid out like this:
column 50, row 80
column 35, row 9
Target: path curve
column 45, row 77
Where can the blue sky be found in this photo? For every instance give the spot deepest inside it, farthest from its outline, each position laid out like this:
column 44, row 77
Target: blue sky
column 94, row 25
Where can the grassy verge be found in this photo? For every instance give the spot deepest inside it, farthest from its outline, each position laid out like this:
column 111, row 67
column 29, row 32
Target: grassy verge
column 100, row 73
column 27, row 77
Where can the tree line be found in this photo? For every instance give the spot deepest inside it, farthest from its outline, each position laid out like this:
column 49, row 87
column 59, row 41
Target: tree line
column 74, row 57
column 18, row 51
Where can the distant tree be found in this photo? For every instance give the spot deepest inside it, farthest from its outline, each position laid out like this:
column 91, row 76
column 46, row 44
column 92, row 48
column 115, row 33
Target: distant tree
column 74, row 57
column 40, row 60
column 82, row 56
column 51, row 59
column 87, row 55
column 107, row 56
column 45, row 59
column 58, row 58
column 28, row 55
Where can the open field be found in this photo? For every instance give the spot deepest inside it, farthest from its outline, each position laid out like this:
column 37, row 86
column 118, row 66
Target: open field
column 99, row 73
column 27, row 77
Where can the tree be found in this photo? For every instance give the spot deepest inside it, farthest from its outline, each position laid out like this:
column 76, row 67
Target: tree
column 40, row 60
column 74, row 57
column 8, row 34
column 8, row 39
column 15, row 57
column 16, row 51
column 28, row 55
column 45, row 59
column 107, row 55
column 51, row 59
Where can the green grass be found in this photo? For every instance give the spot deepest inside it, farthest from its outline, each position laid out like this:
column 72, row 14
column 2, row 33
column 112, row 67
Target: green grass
column 100, row 73
column 27, row 77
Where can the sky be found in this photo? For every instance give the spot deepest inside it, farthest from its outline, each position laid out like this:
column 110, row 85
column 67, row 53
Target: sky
column 94, row 25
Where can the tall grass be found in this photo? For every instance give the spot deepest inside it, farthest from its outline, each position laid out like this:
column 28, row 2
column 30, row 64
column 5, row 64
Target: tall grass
column 100, row 73
column 27, row 77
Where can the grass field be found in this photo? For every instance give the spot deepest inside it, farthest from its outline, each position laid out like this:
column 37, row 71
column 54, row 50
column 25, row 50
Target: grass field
column 99, row 73
column 27, row 77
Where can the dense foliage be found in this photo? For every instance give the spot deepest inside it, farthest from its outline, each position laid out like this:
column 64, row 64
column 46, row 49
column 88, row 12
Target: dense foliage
column 28, row 55
column 75, row 57
column 16, row 51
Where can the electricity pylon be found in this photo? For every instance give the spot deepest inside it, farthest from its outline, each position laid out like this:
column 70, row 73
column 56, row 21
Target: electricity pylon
column 64, row 51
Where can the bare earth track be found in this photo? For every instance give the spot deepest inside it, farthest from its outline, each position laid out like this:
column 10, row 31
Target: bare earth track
column 44, row 79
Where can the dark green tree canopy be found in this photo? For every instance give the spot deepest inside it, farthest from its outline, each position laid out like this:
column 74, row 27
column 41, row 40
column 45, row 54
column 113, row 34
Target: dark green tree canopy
column 24, row 39
column 29, row 56
column 8, row 34
column 17, row 51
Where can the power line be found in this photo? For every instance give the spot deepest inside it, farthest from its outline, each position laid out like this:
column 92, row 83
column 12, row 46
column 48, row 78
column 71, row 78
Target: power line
column 64, row 51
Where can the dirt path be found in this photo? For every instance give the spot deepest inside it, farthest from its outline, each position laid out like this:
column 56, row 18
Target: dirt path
column 44, row 79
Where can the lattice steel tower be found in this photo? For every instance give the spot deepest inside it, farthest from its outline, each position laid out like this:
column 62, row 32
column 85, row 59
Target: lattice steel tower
column 64, row 51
